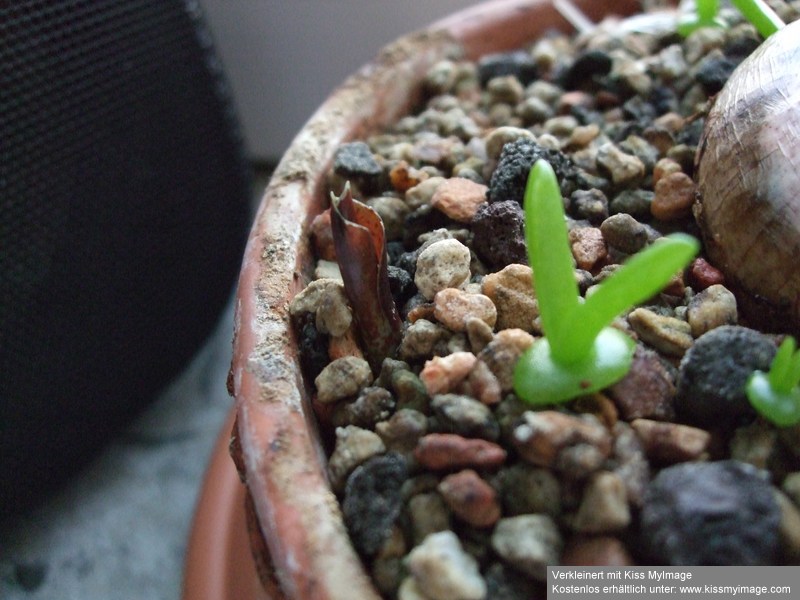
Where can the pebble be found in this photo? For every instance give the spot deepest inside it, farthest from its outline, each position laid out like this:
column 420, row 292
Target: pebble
column 755, row 444
column 502, row 353
column 402, row 432
column 479, row 334
column 528, row 543
column 518, row 63
column 453, row 308
column 470, row 498
column 713, row 373
column 373, row 404
column 588, row 247
column 624, row 233
column 322, row 236
column 355, row 161
column 459, row 198
column 420, row 339
column 634, row 202
column 465, row 416
column 422, row 193
column 483, row 385
column 674, row 196
column 442, row 374
column 448, row 451
column 625, row 170
column 326, row 299
column 354, row 445
column 726, row 501
column 669, row 443
column 586, row 66
column 791, row 486
column 668, row 335
column 664, row 167
column 713, row 307
column 372, row 500
column 442, row 570
column 599, row 551
column 789, row 529
column 591, row 205
column 576, row 446
column 647, row 390
column 498, row 234
column 387, row 566
column 509, row 179
column 393, row 212
column 428, row 514
column 505, row 583
column 604, row 506
column 403, row 177
column 629, row 462
column 528, row 489
column 702, row 274
column 441, row 265
column 511, row 292
column 342, row 378
column 505, row 89
column 409, row 390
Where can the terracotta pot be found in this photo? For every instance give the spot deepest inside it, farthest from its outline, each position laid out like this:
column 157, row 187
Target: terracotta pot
column 298, row 534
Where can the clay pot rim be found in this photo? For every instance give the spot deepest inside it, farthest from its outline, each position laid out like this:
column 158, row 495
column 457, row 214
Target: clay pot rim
column 278, row 451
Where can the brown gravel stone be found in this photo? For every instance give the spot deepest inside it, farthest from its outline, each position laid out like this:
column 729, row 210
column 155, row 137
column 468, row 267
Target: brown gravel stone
column 453, row 308
column 789, row 528
column 664, row 167
column 322, row 235
column 669, row 443
column 703, row 274
column 553, row 439
column 713, row 307
column 668, row 335
column 604, row 506
column 602, row 550
column 451, row 451
column 402, row 431
column 404, row 177
column 483, row 385
column 459, row 198
column 442, row 374
column 470, row 498
column 588, row 247
column 647, row 390
column 674, row 197
column 511, row 290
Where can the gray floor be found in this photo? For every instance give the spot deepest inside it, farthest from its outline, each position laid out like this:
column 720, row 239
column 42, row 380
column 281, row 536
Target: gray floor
column 119, row 531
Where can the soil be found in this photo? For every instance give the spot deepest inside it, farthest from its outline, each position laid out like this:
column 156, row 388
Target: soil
column 449, row 484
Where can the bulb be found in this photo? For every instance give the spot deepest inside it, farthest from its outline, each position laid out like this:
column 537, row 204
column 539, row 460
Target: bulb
column 748, row 175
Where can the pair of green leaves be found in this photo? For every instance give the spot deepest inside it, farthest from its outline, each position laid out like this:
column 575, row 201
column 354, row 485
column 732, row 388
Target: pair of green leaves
column 580, row 352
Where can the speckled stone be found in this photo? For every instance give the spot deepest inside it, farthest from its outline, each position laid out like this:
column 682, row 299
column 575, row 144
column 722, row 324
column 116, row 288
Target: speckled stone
column 453, row 308
column 342, row 378
column 441, row 265
column 669, row 443
column 529, row 543
column 511, row 291
column 354, row 445
column 442, row 570
column 604, row 506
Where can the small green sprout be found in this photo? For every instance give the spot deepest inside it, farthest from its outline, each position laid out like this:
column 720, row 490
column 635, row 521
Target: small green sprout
column 763, row 18
column 580, row 352
column 776, row 395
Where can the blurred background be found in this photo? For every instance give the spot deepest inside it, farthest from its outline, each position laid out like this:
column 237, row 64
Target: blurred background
column 136, row 139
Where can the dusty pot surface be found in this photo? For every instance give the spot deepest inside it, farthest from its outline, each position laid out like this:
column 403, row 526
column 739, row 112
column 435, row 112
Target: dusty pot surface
column 296, row 517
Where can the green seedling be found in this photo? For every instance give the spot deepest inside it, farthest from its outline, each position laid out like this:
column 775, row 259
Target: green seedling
column 763, row 18
column 776, row 394
column 580, row 352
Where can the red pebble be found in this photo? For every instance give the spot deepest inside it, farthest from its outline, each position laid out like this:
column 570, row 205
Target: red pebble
column 703, row 274
column 450, row 451
column 470, row 498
